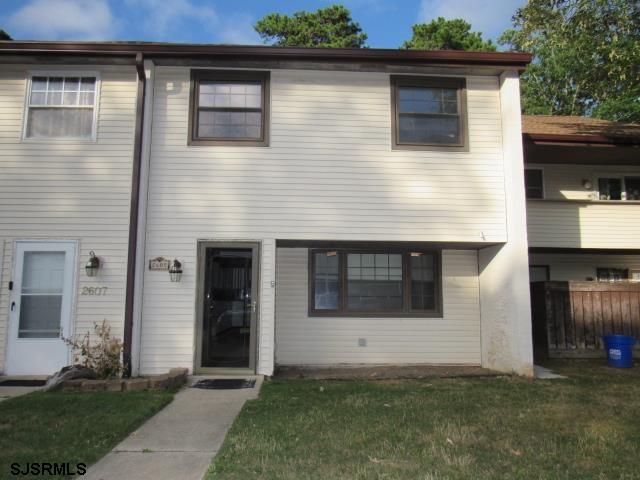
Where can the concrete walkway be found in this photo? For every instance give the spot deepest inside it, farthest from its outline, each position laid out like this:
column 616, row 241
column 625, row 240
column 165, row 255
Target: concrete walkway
column 543, row 373
column 178, row 442
column 10, row 392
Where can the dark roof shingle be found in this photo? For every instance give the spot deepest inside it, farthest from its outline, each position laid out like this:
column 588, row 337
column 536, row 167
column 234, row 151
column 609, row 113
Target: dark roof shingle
column 574, row 126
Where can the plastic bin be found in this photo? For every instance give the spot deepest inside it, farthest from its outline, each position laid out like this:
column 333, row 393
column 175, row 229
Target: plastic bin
column 619, row 350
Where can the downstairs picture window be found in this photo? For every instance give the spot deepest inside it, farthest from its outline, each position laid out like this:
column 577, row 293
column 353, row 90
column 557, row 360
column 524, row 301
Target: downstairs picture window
column 374, row 283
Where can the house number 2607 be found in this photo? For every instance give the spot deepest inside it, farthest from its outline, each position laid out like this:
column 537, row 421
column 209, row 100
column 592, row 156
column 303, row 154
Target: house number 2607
column 94, row 291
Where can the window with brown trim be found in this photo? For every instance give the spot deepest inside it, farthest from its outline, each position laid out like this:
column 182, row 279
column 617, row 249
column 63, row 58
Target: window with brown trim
column 229, row 107
column 395, row 282
column 428, row 113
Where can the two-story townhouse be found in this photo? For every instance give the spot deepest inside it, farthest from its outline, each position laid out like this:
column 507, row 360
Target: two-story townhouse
column 263, row 206
column 583, row 198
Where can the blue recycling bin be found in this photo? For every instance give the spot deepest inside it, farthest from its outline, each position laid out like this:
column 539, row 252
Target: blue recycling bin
column 619, row 350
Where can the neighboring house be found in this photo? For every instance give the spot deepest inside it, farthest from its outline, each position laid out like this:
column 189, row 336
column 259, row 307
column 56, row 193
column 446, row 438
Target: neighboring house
column 583, row 198
column 324, row 206
column 582, row 180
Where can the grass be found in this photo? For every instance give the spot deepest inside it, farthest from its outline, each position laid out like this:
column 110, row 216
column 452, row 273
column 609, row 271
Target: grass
column 584, row 427
column 70, row 427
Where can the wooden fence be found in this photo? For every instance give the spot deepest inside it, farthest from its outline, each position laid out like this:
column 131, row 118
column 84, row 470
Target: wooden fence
column 569, row 318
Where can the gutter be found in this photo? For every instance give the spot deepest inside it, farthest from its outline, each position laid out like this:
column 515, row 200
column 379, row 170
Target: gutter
column 133, row 216
column 261, row 52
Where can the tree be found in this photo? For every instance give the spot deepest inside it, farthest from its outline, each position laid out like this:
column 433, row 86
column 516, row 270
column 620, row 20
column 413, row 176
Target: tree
column 443, row 34
column 4, row 35
column 586, row 57
column 326, row 27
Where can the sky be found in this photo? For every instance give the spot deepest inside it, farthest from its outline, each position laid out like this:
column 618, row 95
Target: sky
column 386, row 22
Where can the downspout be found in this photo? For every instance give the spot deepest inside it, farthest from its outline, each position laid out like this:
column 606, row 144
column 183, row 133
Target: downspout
column 133, row 216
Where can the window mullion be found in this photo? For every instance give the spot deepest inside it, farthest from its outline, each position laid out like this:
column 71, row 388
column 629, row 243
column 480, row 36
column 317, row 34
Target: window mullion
column 342, row 281
column 406, row 282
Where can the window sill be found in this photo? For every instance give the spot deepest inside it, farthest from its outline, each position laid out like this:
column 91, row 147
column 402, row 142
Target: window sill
column 228, row 143
column 381, row 315
column 59, row 140
column 432, row 148
column 584, row 201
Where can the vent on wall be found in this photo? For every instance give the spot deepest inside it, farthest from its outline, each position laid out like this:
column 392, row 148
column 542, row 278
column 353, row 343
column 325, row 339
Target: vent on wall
column 362, row 342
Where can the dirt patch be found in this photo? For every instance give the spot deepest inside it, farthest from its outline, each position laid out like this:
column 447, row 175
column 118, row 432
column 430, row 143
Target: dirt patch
column 383, row 372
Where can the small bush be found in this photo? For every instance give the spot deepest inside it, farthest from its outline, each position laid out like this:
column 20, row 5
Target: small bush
column 104, row 356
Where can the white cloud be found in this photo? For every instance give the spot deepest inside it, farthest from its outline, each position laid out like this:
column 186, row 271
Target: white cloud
column 179, row 20
column 238, row 30
column 491, row 17
column 165, row 19
column 63, row 19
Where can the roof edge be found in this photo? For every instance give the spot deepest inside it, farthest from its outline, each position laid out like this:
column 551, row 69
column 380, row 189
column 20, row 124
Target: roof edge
column 586, row 139
column 149, row 49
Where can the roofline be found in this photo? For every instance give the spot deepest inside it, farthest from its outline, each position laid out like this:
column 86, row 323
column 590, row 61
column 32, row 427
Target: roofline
column 374, row 55
column 580, row 139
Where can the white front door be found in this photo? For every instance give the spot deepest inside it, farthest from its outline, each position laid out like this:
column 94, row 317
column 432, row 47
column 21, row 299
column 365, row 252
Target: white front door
column 40, row 307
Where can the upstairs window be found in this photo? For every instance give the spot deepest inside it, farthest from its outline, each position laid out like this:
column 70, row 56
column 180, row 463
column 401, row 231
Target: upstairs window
column 229, row 107
column 428, row 113
column 61, row 107
column 533, row 183
column 375, row 283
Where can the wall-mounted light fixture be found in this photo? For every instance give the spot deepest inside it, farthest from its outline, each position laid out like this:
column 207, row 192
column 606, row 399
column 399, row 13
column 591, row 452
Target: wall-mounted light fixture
column 587, row 184
column 175, row 271
column 93, row 265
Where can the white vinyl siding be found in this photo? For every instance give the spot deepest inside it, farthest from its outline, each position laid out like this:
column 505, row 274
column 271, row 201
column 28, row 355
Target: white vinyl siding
column 579, row 267
column 571, row 216
column 452, row 339
column 329, row 173
column 329, row 170
column 70, row 190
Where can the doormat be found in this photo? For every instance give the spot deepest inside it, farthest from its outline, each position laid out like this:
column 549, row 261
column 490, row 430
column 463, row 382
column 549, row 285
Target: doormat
column 22, row 383
column 225, row 383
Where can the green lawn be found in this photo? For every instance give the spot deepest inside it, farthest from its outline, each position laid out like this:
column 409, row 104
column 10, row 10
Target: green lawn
column 70, row 427
column 585, row 427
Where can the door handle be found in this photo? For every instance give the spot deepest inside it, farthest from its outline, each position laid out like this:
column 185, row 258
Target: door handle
column 253, row 307
column 13, row 305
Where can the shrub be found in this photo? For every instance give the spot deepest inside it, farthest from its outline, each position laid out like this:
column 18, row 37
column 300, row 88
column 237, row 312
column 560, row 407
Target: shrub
column 103, row 356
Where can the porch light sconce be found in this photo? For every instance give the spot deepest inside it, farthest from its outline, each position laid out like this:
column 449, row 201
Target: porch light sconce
column 175, row 271
column 587, row 184
column 93, row 265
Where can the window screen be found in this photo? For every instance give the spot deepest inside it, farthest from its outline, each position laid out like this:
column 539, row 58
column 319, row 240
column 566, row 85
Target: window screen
column 423, row 281
column 61, row 107
column 326, row 281
column 229, row 107
column 374, row 281
column 428, row 111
